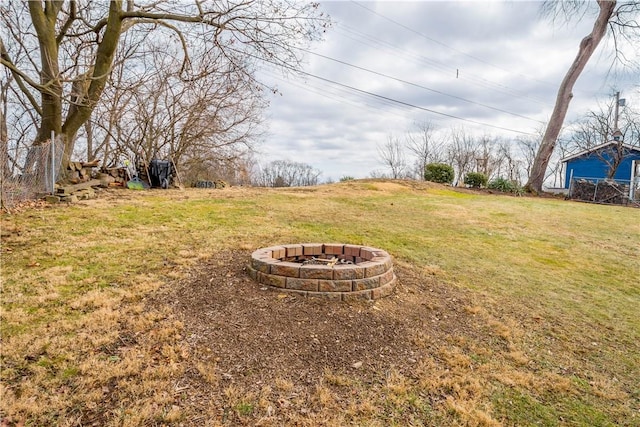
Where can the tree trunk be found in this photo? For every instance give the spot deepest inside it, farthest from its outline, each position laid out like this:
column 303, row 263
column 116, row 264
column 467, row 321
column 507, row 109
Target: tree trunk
column 105, row 53
column 587, row 46
column 617, row 155
column 44, row 22
column 88, row 128
column 5, row 164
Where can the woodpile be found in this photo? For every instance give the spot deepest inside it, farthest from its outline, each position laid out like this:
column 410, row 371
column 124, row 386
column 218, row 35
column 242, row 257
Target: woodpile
column 78, row 172
column 114, row 177
column 609, row 192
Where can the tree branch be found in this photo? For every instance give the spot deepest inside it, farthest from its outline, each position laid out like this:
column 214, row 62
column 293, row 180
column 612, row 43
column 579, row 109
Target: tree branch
column 186, row 60
column 20, row 77
column 169, row 16
column 68, row 23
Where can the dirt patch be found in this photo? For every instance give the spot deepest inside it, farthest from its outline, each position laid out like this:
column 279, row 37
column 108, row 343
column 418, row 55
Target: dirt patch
column 242, row 336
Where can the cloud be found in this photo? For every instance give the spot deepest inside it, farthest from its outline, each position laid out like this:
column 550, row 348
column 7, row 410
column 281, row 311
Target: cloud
column 499, row 54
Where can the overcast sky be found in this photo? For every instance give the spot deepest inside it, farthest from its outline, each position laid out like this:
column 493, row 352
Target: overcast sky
column 490, row 67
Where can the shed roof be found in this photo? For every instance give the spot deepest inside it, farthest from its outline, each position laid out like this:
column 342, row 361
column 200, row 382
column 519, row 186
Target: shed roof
column 599, row 147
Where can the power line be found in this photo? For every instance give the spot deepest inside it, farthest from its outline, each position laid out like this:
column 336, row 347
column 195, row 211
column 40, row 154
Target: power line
column 378, row 96
column 421, row 86
column 334, row 96
column 407, row 104
column 443, row 68
column 446, row 45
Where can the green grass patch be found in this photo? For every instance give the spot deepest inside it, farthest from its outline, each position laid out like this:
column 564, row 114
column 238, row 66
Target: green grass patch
column 565, row 274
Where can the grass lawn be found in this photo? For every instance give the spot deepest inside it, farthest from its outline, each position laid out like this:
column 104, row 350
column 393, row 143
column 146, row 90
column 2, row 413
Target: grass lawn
column 134, row 309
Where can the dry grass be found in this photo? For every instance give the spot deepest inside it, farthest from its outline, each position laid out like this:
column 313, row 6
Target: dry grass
column 517, row 311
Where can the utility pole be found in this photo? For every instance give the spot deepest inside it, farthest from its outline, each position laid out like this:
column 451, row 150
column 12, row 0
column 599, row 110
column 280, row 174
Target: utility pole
column 615, row 123
column 617, row 135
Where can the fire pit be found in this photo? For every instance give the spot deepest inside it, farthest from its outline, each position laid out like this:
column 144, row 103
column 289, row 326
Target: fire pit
column 328, row 270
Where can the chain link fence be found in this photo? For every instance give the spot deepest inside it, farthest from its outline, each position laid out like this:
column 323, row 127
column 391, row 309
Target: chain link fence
column 36, row 177
column 605, row 191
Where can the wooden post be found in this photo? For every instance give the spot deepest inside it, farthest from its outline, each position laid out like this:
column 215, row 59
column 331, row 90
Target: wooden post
column 53, row 162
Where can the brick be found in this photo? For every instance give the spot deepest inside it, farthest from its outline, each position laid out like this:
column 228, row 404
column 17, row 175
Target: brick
column 271, row 280
column 383, row 291
column 352, row 250
column 387, row 277
column 367, row 253
column 386, row 260
column 313, row 271
column 368, row 283
column 252, row 273
column 337, row 296
column 302, row 284
column 293, row 250
column 260, row 253
column 288, row 269
column 372, row 269
column 335, row 285
column 355, row 296
column 278, row 253
column 333, row 249
column 348, row 272
column 312, row 249
column 260, row 265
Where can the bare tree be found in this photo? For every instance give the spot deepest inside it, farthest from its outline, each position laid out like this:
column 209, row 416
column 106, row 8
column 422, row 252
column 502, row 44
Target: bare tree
column 507, row 163
column 621, row 16
column 5, row 163
column 527, row 147
column 564, row 146
column 425, row 145
column 490, row 155
column 596, row 127
column 285, row 173
column 462, row 153
column 239, row 170
column 392, row 156
column 213, row 118
column 69, row 46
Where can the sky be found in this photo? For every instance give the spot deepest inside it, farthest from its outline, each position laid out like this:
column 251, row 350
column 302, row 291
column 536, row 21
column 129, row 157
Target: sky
column 490, row 68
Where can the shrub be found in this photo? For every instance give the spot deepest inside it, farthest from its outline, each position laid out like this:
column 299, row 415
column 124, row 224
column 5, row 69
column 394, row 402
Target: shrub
column 505, row 186
column 475, row 179
column 439, row 172
column 346, row 178
column 501, row 184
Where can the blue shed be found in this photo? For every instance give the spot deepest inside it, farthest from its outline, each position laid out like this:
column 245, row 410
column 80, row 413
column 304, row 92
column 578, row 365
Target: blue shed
column 593, row 164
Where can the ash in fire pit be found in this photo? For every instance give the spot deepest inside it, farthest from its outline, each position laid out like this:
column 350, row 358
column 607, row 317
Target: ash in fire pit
column 329, row 270
column 324, row 261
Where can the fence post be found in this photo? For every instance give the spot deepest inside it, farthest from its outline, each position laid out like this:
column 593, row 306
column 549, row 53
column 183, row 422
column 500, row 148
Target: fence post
column 53, row 163
column 571, row 184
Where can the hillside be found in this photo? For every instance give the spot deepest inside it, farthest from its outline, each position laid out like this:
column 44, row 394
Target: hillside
column 136, row 309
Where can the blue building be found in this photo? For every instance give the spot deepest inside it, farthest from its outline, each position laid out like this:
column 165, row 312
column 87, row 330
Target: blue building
column 594, row 164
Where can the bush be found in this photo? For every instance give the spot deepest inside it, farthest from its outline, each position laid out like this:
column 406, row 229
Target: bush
column 346, row 178
column 505, row 186
column 475, row 179
column 439, row 172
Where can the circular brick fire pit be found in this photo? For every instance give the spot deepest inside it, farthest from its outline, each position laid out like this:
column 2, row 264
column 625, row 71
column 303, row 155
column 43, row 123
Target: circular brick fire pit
column 329, row 270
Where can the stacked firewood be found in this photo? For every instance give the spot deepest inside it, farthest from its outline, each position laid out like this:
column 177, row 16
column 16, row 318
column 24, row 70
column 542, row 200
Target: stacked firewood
column 114, row 177
column 78, row 172
column 600, row 192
